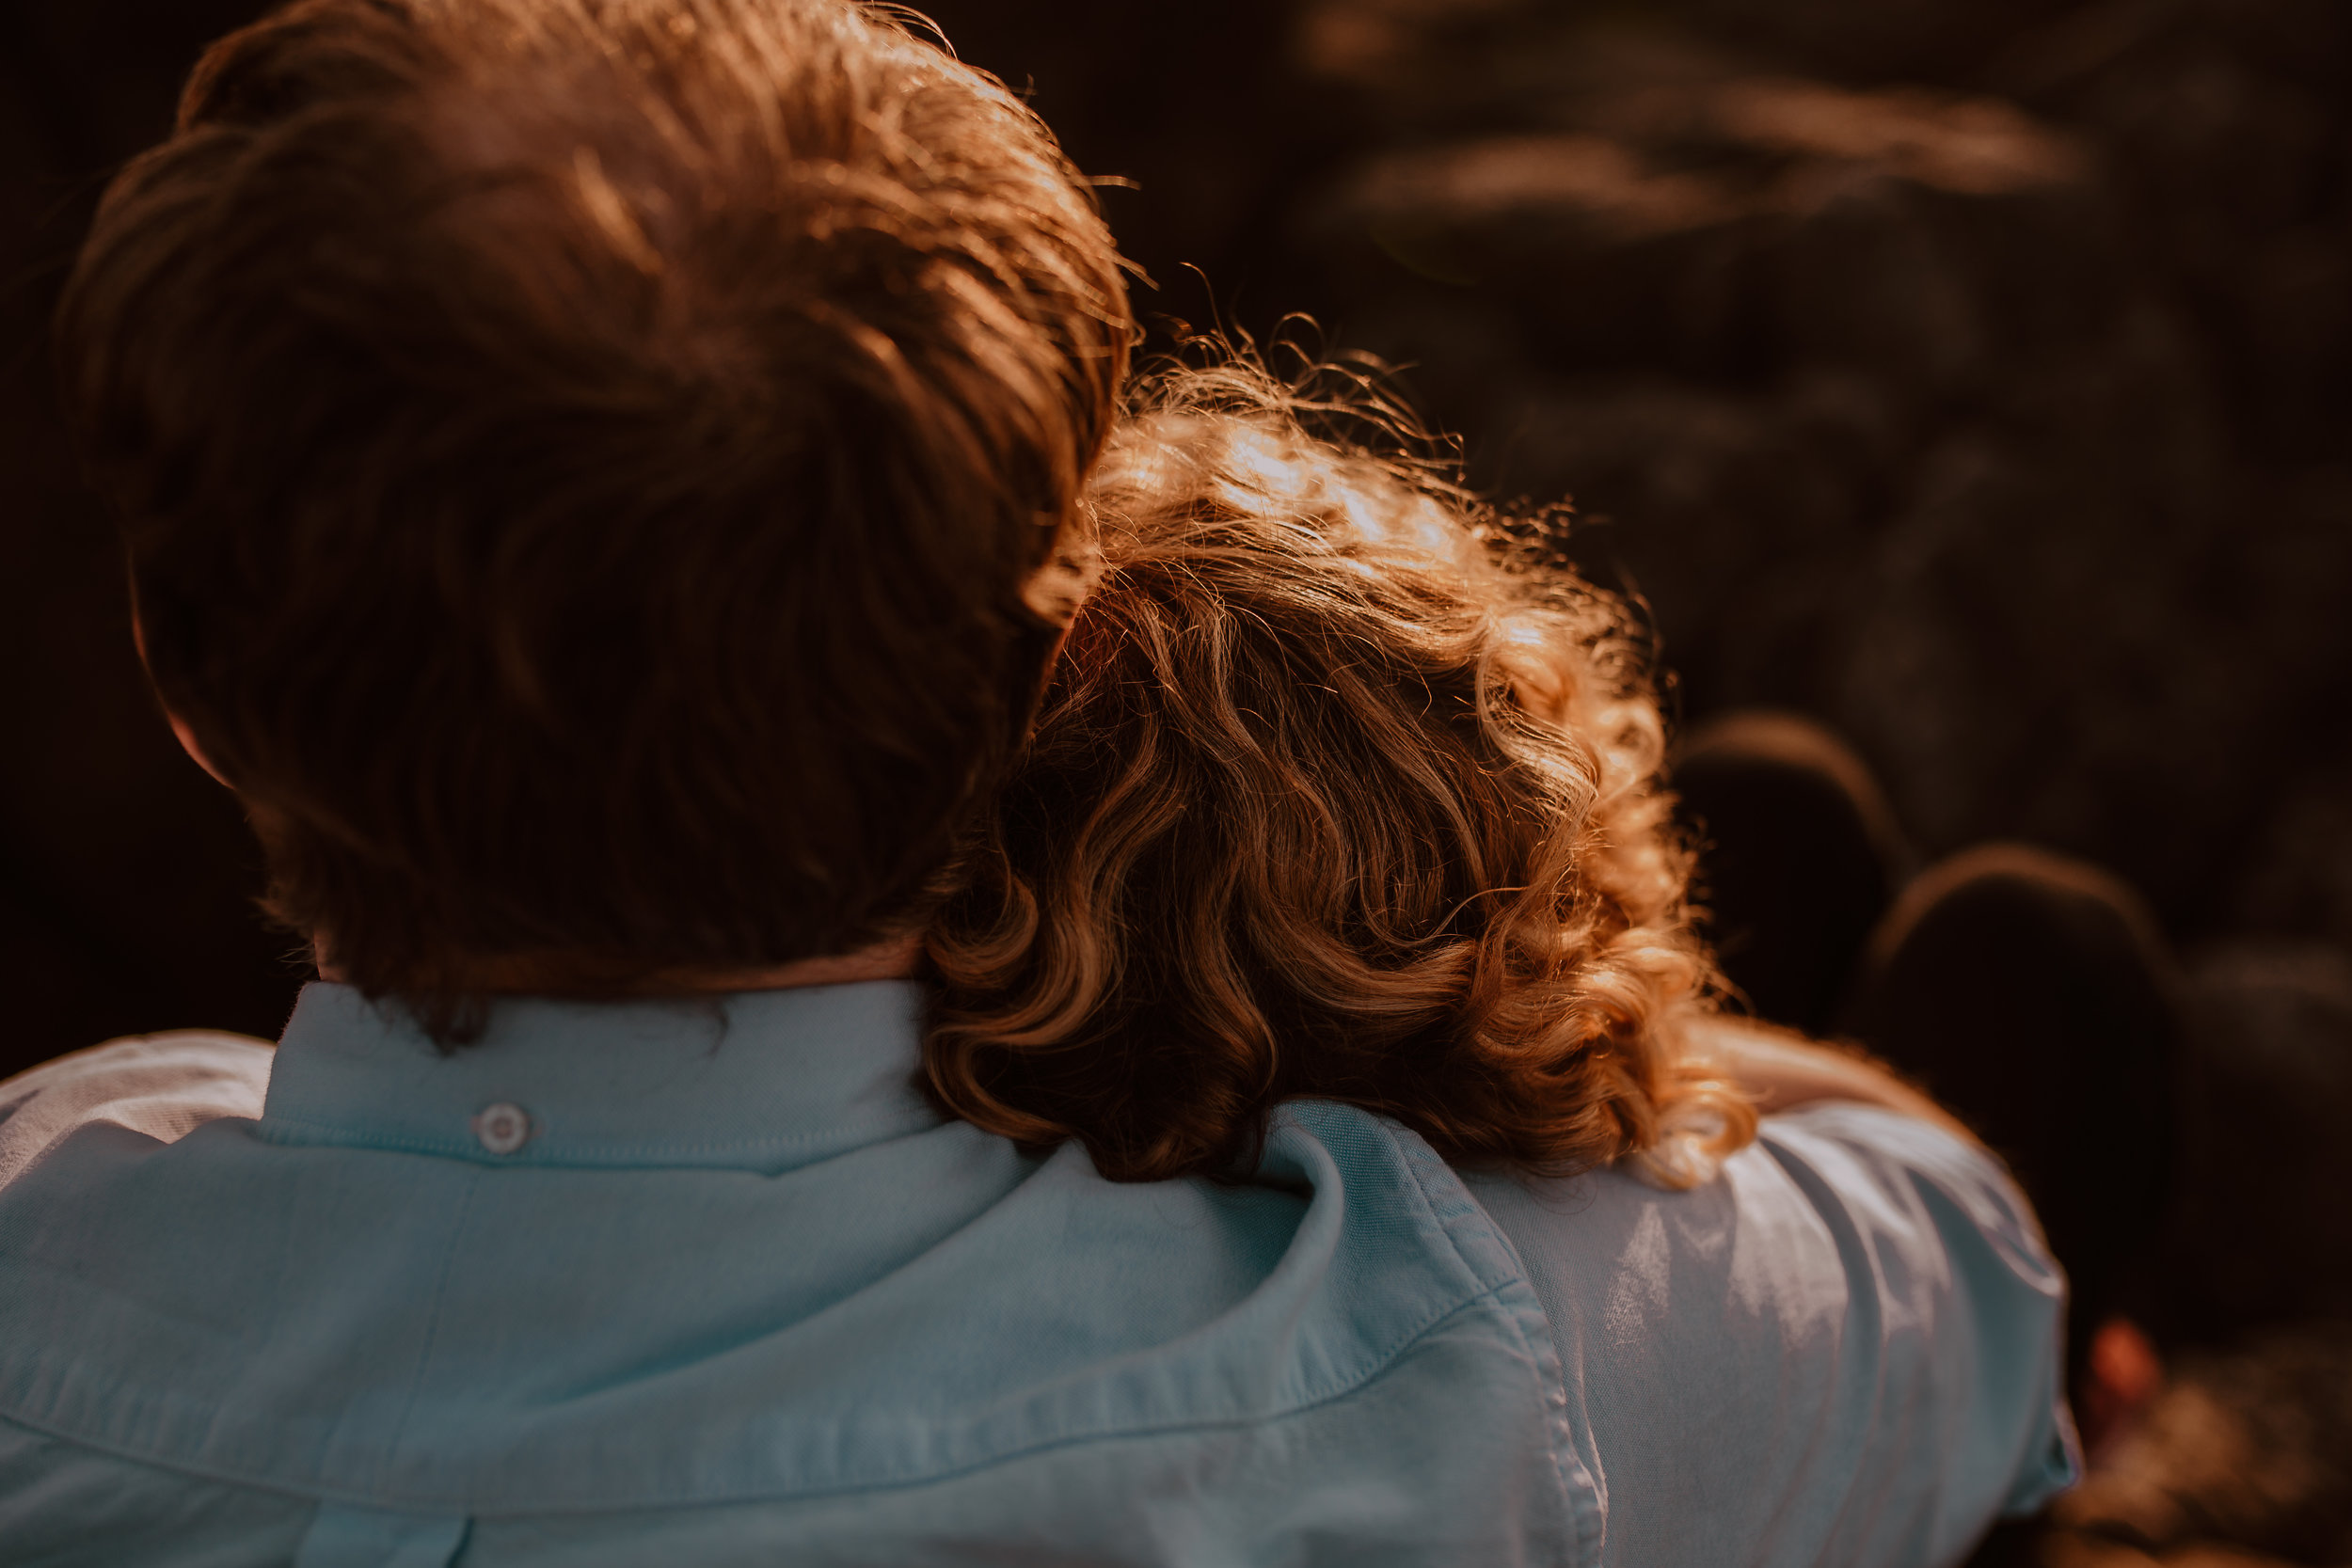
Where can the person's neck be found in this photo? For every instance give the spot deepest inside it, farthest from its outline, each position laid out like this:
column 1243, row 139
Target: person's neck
column 893, row 959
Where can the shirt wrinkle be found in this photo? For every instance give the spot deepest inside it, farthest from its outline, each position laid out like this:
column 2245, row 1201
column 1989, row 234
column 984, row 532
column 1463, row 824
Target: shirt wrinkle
column 607, row 1347
column 399, row 1428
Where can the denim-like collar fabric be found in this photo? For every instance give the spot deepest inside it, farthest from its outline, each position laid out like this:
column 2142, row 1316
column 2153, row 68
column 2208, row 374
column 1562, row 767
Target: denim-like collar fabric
column 763, row 1081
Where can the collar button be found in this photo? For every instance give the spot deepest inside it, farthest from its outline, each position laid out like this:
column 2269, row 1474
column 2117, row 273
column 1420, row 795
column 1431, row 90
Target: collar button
column 501, row 1128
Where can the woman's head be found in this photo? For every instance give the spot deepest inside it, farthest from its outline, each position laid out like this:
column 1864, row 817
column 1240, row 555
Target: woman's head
column 1336, row 793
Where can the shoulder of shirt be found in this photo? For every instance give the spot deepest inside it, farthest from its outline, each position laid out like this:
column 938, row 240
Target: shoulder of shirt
column 1398, row 1320
column 1845, row 1142
column 164, row 1085
column 1883, row 1136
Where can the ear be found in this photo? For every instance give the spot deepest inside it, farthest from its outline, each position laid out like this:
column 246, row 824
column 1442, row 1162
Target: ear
column 1056, row 590
column 179, row 726
column 196, row 754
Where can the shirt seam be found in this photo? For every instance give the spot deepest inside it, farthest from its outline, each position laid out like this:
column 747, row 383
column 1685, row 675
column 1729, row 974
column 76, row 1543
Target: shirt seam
column 450, row 1508
column 432, row 1326
column 1579, row 1501
column 574, row 1157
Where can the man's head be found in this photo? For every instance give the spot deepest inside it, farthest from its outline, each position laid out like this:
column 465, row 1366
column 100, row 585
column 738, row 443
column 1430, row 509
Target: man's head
column 582, row 460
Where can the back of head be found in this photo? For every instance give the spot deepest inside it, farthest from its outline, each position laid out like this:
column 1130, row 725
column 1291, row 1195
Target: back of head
column 1336, row 793
column 581, row 460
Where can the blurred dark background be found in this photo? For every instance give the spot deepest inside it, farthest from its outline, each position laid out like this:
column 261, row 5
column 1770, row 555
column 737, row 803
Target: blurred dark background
column 1971, row 375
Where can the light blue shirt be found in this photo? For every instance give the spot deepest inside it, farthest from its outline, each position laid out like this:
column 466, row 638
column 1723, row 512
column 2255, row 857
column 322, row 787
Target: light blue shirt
column 710, row 1284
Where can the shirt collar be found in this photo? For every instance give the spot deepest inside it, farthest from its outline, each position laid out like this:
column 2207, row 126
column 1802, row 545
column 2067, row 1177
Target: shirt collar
column 767, row 1079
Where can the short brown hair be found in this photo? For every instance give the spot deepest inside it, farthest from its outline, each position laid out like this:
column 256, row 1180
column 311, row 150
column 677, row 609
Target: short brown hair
column 582, row 461
column 1341, row 790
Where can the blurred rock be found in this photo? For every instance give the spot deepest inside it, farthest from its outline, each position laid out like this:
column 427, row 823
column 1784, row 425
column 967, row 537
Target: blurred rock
column 2245, row 1459
column 2302, row 878
column 2263, row 1235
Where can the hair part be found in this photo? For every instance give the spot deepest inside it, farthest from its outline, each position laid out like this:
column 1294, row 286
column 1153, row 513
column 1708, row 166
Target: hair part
column 581, row 461
column 1338, row 792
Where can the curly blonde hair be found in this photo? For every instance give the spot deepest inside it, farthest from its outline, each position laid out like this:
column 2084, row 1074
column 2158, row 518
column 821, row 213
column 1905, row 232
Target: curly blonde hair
column 1339, row 790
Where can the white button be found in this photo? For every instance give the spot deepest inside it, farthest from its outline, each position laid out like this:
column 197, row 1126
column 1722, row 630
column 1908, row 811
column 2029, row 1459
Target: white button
column 502, row 1128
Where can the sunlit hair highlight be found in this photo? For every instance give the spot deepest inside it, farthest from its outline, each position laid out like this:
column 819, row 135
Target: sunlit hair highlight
column 1343, row 789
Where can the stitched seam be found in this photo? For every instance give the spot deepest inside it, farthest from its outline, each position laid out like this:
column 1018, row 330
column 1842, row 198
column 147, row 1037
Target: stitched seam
column 432, row 1328
column 1582, row 1519
column 1370, row 1370
column 387, row 1501
column 331, row 1135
